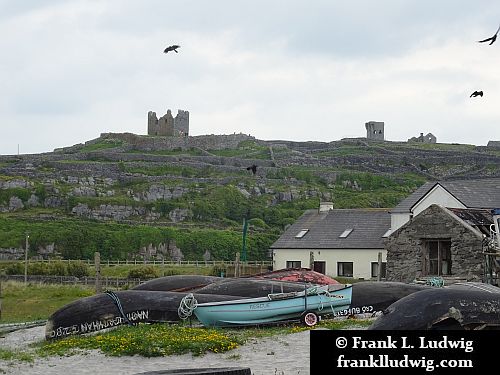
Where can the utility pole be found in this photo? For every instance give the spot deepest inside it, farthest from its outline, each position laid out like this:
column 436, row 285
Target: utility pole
column 26, row 258
column 244, row 247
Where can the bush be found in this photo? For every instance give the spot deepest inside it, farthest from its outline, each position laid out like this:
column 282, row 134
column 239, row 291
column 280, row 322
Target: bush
column 14, row 269
column 171, row 272
column 38, row 269
column 257, row 222
column 58, row 269
column 78, row 269
column 143, row 272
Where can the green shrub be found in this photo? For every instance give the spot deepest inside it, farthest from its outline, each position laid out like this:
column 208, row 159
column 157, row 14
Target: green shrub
column 143, row 272
column 21, row 193
column 257, row 222
column 58, row 268
column 38, row 269
column 171, row 272
column 78, row 269
column 14, row 269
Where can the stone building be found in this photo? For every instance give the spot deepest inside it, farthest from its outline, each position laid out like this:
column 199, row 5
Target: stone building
column 429, row 138
column 439, row 230
column 445, row 242
column 375, row 130
column 167, row 125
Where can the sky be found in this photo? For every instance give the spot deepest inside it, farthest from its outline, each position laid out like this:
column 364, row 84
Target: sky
column 292, row 70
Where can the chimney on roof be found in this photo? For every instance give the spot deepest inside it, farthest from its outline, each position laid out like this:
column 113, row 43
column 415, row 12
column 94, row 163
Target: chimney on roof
column 325, row 206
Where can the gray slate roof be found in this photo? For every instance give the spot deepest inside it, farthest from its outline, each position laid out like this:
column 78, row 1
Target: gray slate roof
column 369, row 225
column 482, row 193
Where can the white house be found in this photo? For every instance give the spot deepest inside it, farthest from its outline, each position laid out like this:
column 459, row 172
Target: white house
column 335, row 242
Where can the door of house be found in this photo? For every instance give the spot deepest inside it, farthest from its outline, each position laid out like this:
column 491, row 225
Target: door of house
column 320, row 266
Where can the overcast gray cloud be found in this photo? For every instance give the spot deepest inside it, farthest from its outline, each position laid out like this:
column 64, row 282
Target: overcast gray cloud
column 295, row 70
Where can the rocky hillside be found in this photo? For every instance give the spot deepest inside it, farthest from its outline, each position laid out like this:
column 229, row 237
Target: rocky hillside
column 202, row 183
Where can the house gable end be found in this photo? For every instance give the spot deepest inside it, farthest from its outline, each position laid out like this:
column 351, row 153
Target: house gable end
column 406, row 248
column 439, row 214
column 437, row 195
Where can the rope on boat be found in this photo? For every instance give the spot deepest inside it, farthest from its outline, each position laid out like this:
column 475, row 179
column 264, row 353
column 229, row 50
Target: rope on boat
column 436, row 281
column 186, row 306
column 118, row 304
column 326, row 293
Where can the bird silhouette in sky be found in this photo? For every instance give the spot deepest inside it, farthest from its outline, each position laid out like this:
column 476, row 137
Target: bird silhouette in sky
column 491, row 39
column 476, row 93
column 172, row 48
column 252, row 168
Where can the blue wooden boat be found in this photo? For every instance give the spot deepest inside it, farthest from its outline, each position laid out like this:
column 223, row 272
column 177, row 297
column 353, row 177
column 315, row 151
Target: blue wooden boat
column 307, row 305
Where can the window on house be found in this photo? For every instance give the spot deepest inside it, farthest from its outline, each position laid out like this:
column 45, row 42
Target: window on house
column 375, row 269
column 437, row 258
column 345, row 233
column 293, row 264
column 320, row 266
column 345, row 269
column 302, row 233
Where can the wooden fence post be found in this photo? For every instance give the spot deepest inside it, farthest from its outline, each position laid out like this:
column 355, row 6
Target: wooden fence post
column 97, row 260
column 379, row 273
column 237, row 265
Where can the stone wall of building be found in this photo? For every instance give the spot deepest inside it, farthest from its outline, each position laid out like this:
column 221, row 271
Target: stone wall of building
column 204, row 142
column 375, row 130
column 181, row 123
column 167, row 125
column 405, row 246
column 429, row 138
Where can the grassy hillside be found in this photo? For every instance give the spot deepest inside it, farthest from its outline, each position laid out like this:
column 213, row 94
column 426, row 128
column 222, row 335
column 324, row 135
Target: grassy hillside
column 118, row 194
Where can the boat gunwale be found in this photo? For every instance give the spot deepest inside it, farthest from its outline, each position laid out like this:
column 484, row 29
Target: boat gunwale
column 269, row 299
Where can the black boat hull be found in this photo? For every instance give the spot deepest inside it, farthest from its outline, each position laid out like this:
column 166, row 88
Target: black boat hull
column 100, row 312
column 442, row 308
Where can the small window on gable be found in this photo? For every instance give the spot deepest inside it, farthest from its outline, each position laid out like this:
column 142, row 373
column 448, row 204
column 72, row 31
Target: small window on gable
column 345, row 233
column 302, row 233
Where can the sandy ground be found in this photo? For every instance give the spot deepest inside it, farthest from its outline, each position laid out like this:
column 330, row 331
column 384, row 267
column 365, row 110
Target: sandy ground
column 278, row 355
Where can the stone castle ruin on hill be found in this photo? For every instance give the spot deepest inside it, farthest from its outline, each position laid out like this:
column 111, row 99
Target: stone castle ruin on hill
column 375, row 130
column 167, row 125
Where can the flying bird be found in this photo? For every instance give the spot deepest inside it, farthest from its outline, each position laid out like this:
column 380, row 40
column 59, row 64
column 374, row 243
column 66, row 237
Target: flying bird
column 172, row 48
column 253, row 168
column 476, row 93
column 491, row 39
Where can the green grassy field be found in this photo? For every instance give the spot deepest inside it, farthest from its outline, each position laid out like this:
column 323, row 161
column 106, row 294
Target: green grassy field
column 24, row 303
